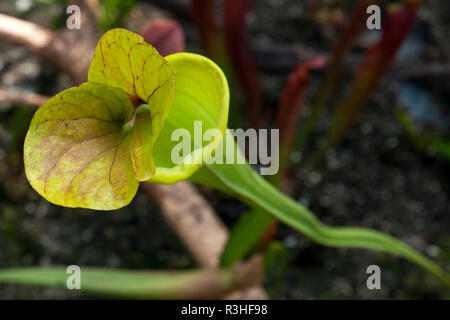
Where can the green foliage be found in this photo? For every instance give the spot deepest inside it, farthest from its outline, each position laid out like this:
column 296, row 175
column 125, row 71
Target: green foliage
column 84, row 150
column 113, row 12
column 245, row 235
column 276, row 262
column 131, row 284
column 276, row 258
column 76, row 151
column 241, row 181
column 201, row 94
column 431, row 144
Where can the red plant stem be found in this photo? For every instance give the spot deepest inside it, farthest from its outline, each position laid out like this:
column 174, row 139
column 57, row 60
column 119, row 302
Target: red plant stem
column 239, row 50
column 165, row 35
column 287, row 121
column 350, row 33
column 290, row 106
column 203, row 14
column 399, row 21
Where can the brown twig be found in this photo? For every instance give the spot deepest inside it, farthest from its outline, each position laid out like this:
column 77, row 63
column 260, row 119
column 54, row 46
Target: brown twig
column 198, row 226
column 27, row 98
column 25, row 33
column 191, row 216
column 57, row 47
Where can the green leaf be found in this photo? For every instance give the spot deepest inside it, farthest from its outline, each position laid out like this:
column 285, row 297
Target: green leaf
column 122, row 59
column 76, row 152
column 83, row 150
column 201, row 95
column 440, row 146
column 80, row 150
column 244, row 236
column 113, row 12
column 276, row 259
column 141, row 145
column 431, row 143
column 135, row 284
column 241, row 181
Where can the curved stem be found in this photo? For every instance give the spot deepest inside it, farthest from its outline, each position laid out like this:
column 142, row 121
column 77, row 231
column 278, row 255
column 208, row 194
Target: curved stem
column 144, row 284
column 241, row 181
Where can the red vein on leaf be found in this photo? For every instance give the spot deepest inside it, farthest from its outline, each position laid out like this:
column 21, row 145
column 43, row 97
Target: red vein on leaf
column 47, row 174
column 91, row 161
column 154, row 90
column 114, row 158
column 104, row 102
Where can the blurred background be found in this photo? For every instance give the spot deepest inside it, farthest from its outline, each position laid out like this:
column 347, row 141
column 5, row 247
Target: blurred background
column 364, row 120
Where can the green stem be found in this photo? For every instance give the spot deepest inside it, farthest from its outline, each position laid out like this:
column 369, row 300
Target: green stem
column 138, row 284
column 241, row 181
